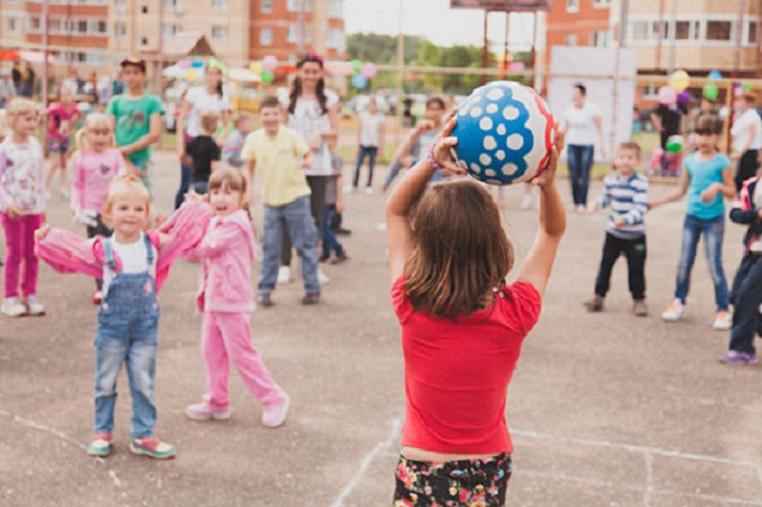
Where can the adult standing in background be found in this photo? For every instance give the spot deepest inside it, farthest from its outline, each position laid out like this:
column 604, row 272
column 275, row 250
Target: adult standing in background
column 208, row 97
column 313, row 111
column 747, row 138
column 370, row 139
column 23, row 79
column 583, row 127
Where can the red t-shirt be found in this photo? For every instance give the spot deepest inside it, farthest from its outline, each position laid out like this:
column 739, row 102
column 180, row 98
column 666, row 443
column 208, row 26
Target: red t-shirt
column 457, row 371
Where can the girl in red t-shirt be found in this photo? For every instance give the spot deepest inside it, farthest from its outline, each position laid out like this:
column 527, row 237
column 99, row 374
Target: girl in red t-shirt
column 462, row 326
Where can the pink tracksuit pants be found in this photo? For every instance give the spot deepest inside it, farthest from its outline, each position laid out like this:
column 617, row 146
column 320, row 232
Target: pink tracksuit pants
column 226, row 337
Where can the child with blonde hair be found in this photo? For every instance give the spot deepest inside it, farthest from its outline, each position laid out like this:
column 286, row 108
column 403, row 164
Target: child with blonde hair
column 226, row 298
column 133, row 264
column 94, row 165
column 22, row 205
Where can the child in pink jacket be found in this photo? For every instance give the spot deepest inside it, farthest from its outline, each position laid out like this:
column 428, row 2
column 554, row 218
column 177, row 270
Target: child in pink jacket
column 133, row 265
column 226, row 299
column 94, row 165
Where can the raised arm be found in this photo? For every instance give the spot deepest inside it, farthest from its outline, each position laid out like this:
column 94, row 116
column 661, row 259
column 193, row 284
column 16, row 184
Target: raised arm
column 538, row 263
column 405, row 195
column 67, row 252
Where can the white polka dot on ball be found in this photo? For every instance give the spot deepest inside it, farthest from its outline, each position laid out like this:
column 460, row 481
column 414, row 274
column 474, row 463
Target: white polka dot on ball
column 485, row 159
column 510, row 113
column 515, row 141
column 490, row 143
column 500, row 154
column 476, row 112
column 492, row 108
column 495, row 94
column 475, row 167
column 485, row 123
column 501, row 130
column 490, row 172
column 509, row 169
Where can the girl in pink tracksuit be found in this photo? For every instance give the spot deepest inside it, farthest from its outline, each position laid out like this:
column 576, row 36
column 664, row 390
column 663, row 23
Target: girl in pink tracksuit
column 226, row 299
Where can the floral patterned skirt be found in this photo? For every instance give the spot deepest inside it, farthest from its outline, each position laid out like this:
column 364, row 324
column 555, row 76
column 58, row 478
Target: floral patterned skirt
column 466, row 483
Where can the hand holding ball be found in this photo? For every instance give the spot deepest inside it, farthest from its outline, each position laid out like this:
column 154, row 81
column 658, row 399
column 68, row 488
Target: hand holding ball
column 505, row 133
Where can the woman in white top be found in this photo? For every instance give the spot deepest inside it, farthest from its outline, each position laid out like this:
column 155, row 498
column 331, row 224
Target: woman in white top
column 198, row 100
column 313, row 111
column 370, row 139
column 583, row 128
column 747, row 138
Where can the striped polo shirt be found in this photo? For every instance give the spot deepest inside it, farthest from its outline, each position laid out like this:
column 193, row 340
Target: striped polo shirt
column 628, row 199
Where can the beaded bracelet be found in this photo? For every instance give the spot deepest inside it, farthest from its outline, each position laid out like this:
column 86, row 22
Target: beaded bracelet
column 434, row 162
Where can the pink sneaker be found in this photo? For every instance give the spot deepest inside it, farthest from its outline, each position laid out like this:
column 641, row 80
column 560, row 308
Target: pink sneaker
column 276, row 415
column 204, row 412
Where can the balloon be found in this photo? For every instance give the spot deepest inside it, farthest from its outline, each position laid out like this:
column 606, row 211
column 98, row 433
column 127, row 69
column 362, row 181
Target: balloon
column 184, row 64
column 359, row 81
column 191, row 75
column 679, row 80
column 369, row 70
column 684, row 97
column 266, row 76
column 711, row 91
column 667, row 96
column 270, row 63
column 197, row 64
column 675, row 144
column 715, row 75
column 255, row 67
column 356, row 65
column 746, row 86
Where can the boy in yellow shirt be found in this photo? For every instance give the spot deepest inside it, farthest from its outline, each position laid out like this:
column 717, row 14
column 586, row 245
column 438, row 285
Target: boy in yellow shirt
column 280, row 155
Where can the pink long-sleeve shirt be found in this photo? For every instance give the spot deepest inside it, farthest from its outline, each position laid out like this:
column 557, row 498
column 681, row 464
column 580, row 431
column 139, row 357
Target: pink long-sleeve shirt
column 67, row 252
column 227, row 250
column 92, row 173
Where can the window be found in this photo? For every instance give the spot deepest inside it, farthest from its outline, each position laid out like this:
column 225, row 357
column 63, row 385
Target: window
column 719, row 30
column 298, row 5
column 336, row 9
column 266, row 36
column 98, row 27
column 144, row 9
column 120, row 29
column 293, row 33
column 682, row 30
column 266, row 6
column 82, row 26
column 659, row 29
column 170, row 30
column 219, row 5
column 572, row 5
column 751, row 36
column 121, row 5
column 639, row 30
column 219, row 33
column 144, row 41
column 571, row 39
column 601, row 39
column 175, row 5
column 601, row 3
column 55, row 25
column 13, row 25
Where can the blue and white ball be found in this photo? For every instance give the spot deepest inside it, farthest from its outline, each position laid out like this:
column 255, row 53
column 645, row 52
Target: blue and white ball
column 505, row 133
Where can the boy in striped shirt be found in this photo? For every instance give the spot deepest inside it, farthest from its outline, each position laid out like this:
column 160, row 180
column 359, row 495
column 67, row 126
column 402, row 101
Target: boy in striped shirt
column 626, row 193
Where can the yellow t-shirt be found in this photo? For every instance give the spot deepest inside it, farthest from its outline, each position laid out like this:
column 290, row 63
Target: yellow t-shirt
column 279, row 163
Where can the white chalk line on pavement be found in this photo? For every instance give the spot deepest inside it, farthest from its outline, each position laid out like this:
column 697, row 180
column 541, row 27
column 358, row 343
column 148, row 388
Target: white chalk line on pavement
column 31, row 424
column 379, row 448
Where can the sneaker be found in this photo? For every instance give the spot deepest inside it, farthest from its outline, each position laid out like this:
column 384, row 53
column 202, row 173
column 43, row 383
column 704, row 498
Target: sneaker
column 311, row 299
column 13, row 307
column 284, row 274
column 349, row 188
column 152, row 447
column 735, row 357
column 204, row 412
column 101, row 446
column 369, row 190
column 97, row 298
column 723, row 321
column 322, row 277
column 323, row 258
column 595, row 304
column 64, row 195
column 275, row 416
column 639, row 308
column 340, row 257
column 674, row 311
column 34, row 307
column 265, row 300
column 342, row 231
column 526, row 202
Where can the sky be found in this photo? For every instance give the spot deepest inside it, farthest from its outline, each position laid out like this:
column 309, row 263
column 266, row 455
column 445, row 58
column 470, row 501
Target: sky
column 452, row 26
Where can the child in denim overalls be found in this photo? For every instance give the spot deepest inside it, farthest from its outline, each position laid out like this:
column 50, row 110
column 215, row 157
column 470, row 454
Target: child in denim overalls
column 133, row 265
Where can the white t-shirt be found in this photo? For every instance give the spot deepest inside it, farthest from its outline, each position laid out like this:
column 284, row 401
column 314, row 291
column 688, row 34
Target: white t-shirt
column 580, row 123
column 308, row 120
column 201, row 101
column 740, row 128
column 133, row 257
column 369, row 127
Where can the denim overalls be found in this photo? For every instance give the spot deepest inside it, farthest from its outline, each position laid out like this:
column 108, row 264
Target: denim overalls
column 127, row 330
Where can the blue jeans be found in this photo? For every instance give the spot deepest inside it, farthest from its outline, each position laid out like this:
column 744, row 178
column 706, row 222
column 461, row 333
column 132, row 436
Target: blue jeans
column 746, row 297
column 127, row 332
column 330, row 241
column 370, row 152
column 185, row 181
column 297, row 219
column 713, row 231
column 580, row 160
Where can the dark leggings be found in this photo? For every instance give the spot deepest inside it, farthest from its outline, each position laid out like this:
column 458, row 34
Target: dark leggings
column 365, row 151
column 580, row 160
column 746, row 297
column 317, row 204
column 747, row 167
column 99, row 229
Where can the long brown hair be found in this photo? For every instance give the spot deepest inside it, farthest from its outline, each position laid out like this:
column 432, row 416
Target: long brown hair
column 460, row 252
column 296, row 88
column 234, row 180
